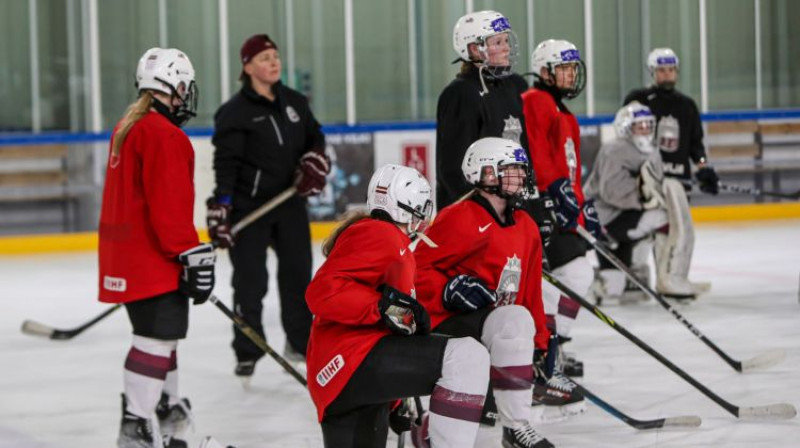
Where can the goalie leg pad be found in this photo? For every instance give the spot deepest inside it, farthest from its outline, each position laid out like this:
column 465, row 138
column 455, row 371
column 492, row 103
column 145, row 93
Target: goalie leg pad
column 673, row 252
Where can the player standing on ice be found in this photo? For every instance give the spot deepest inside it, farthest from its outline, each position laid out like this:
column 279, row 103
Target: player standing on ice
column 369, row 341
column 679, row 134
column 150, row 257
column 554, row 139
column 266, row 140
column 484, row 279
column 626, row 185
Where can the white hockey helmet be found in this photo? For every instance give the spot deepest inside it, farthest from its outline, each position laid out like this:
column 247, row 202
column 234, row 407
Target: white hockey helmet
column 476, row 28
column 168, row 70
column 662, row 57
column 487, row 156
column 554, row 52
column 402, row 193
column 634, row 122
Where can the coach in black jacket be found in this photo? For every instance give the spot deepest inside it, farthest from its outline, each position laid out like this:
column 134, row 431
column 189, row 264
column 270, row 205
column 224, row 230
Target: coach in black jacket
column 266, row 139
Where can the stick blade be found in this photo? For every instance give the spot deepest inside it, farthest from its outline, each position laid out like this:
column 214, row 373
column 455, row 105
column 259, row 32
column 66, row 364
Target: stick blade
column 764, row 360
column 782, row 411
column 684, row 421
column 34, row 328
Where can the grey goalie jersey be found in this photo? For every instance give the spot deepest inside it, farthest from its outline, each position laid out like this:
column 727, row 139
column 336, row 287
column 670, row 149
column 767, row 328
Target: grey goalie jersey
column 614, row 180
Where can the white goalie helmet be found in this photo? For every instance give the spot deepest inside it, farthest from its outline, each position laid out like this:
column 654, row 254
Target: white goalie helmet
column 476, row 28
column 168, row 70
column 403, row 193
column 635, row 122
column 662, row 57
column 554, row 52
column 487, row 156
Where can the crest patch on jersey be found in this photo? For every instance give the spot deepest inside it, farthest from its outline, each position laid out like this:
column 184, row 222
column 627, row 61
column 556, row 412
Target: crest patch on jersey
column 292, row 114
column 508, row 286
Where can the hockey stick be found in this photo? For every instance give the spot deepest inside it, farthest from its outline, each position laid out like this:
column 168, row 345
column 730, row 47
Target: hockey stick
column 764, row 360
column 757, row 192
column 264, row 209
column 687, row 421
column 34, row 328
column 248, row 331
column 773, row 411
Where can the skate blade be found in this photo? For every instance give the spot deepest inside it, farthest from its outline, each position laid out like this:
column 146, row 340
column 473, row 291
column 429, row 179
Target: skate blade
column 246, row 381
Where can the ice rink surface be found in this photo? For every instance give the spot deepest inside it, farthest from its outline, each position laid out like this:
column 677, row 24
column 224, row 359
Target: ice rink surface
column 65, row 394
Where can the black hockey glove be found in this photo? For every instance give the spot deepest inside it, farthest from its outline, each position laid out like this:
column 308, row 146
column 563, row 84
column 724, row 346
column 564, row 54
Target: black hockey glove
column 566, row 203
column 218, row 220
column 542, row 210
column 466, row 293
column 544, row 361
column 197, row 279
column 402, row 313
column 590, row 219
column 403, row 416
column 708, row 179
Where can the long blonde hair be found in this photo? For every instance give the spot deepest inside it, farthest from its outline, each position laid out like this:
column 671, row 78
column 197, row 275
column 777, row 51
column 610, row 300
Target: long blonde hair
column 134, row 113
column 348, row 220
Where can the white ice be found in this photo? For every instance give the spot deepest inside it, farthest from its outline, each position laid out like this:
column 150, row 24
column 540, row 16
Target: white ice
column 65, row 394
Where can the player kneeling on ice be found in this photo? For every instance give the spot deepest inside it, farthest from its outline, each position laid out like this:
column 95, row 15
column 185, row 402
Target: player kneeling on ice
column 626, row 184
column 638, row 205
column 483, row 280
column 370, row 344
column 150, row 257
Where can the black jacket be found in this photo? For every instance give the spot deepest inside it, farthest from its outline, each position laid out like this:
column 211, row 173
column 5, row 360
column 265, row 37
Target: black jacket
column 259, row 142
column 463, row 116
column 690, row 145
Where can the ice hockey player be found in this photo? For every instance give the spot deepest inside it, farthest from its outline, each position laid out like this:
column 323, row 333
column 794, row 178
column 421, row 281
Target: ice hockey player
column 370, row 343
column 554, row 140
column 679, row 136
column 626, row 183
column 150, row 257
column 484, row 279
column 483, row 100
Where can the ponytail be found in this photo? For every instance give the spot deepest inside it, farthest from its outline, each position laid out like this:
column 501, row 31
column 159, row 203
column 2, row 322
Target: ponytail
column 133, row 114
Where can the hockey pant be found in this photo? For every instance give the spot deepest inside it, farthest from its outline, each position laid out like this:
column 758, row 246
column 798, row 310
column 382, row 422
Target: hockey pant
column 454, row 372
column 561, row 310
column 673, row 250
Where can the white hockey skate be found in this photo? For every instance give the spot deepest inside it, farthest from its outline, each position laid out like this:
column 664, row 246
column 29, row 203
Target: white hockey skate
column 210, row 442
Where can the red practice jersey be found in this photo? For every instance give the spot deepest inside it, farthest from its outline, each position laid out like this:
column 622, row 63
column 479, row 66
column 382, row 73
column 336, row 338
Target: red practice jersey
column 343, row 296
column 508, row 259
column 554, row 141
column 146, row 219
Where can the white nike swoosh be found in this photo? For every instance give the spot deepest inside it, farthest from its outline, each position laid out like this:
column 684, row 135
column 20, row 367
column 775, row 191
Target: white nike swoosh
column 402, row 252
column 482, row 229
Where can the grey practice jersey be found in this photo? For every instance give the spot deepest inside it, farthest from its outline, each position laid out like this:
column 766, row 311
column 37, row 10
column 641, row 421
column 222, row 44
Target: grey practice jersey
column 614, row 181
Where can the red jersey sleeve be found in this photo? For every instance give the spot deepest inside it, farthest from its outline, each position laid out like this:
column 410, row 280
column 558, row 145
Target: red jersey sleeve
column 435, row 266
column 344, row 290
column 167, row 161
column 533, row 285
column 540, row 118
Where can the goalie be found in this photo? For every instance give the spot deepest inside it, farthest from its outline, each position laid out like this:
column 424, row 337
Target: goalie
column 640, row 208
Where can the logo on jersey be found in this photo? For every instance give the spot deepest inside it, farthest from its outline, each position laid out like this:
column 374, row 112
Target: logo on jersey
column 115, row 284
column 668, row 134
column 508, row 286
column 402, row 252
column 113, row 162
column 572, row 158
column 330, row 370
column 292, row 114
column 673, row 168
column 512, row 129
column 482, row 229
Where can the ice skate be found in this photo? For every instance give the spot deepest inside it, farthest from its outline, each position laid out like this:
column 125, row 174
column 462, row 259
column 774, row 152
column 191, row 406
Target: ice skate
column 244, row 370
column 556, row 399
column 137, row 432
column 174, row 419
column 524, row 437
